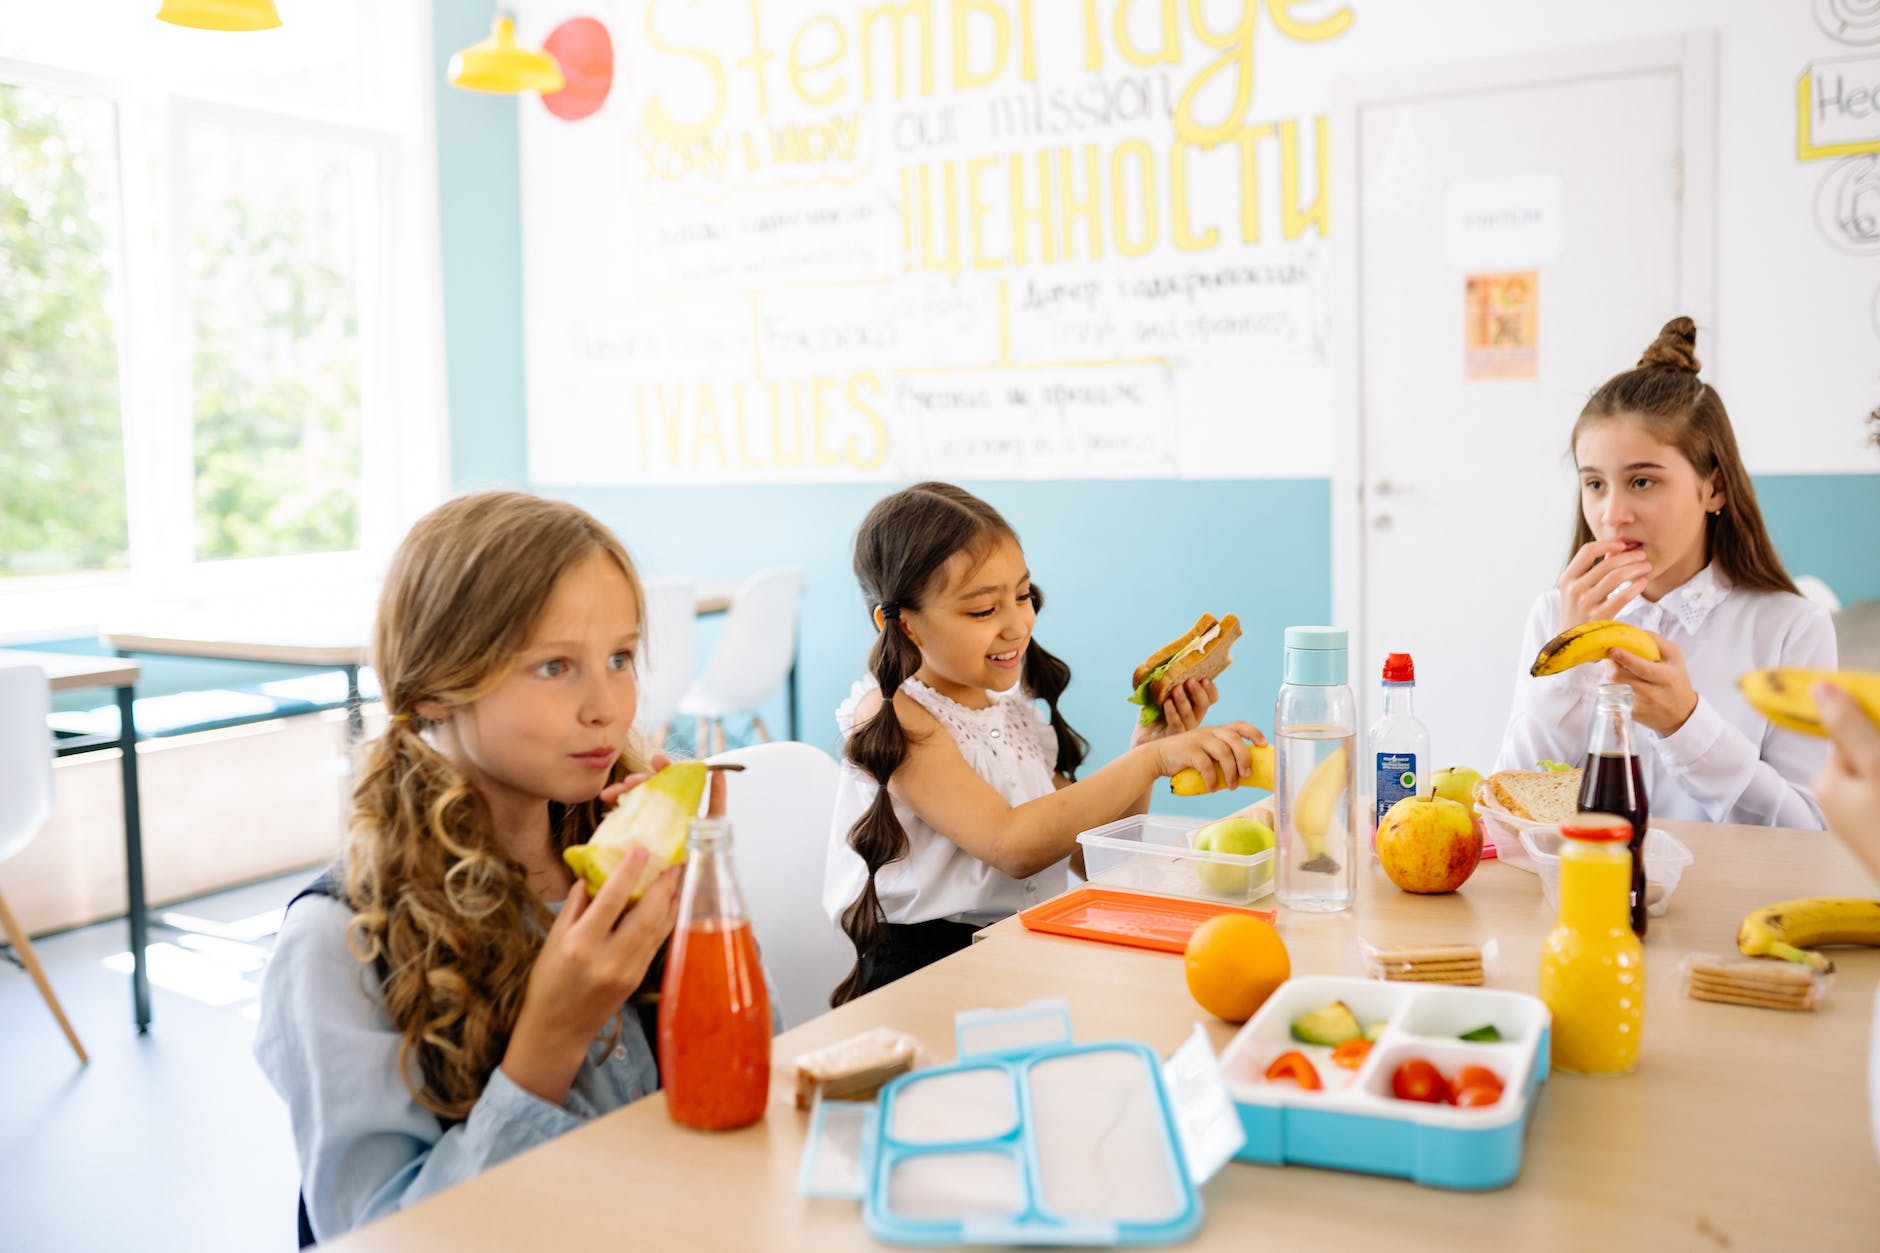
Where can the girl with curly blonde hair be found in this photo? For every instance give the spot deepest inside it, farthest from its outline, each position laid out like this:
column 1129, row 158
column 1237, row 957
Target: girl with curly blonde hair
column 448, row 995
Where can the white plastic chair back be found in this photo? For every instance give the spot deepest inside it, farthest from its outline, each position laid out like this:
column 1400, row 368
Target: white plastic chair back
column 26, row 757
column 752, row 657
column 780, row 807
column 667, row 650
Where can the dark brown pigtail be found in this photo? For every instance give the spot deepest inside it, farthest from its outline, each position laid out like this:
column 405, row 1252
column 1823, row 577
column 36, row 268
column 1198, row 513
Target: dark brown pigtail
column 878, row 746
column 1046, row 677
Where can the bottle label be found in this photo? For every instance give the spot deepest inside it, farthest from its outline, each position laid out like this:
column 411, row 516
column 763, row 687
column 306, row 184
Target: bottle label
column 1396, row 779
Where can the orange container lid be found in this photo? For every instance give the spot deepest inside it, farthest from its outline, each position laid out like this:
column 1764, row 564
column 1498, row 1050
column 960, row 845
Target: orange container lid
column 1138, row 919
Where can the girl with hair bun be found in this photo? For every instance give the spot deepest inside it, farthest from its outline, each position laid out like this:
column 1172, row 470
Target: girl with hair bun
column 956, row 805
column 1667, row 535
column 447, row 994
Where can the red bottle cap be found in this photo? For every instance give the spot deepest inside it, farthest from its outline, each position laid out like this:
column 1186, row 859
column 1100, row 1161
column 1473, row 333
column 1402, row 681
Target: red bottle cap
column 1398, row 668
column 1600, row 828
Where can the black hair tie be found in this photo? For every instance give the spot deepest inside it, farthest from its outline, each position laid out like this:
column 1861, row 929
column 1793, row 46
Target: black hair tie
column 889, row 609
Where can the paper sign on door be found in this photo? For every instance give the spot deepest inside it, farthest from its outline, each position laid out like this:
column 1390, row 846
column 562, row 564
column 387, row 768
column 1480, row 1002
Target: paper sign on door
column 1501, row 326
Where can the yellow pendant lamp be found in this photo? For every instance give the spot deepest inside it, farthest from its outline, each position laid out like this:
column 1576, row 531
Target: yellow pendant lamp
column 220, row 14
column 498, row 65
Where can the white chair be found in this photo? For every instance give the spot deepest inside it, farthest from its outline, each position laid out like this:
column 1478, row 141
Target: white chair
column 780, row 807
column 752, row 657
column 26, row 802
column 666, row 654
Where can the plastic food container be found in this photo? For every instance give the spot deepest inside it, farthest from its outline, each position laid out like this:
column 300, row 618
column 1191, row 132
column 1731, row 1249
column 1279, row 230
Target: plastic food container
column 1152, row 853
column 1356, row 1122
column 1502, row 830
column 1665, row 860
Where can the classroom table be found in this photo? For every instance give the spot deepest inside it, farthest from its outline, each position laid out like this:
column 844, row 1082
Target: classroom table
column 71, row 672
column 331, row 634
column 1741, row 1129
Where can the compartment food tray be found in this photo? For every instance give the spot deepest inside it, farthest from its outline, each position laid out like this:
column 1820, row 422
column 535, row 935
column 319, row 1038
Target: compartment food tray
column 1355, row 1123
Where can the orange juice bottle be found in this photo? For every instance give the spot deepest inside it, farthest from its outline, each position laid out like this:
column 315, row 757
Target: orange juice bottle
column 1592, row 965
column 714, row 1009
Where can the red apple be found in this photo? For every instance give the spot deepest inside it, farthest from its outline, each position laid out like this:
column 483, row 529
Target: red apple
column 1428, row 844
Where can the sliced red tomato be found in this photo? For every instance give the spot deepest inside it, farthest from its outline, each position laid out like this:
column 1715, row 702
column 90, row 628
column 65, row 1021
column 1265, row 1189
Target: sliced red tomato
column 1417, row 1080
column 1475, row 1077
column 1351, row 1053
column 1294, row 1065
column 1476, row 1094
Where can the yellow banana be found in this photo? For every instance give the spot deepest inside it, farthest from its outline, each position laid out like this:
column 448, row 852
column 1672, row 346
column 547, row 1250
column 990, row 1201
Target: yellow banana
column 1786, row 696
column 1591, row 641
column 1788, row 928
column 1314, row 805
column 1190, row 783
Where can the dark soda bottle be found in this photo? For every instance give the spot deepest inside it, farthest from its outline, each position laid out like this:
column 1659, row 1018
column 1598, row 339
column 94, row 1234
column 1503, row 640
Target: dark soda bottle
column 1613, row 782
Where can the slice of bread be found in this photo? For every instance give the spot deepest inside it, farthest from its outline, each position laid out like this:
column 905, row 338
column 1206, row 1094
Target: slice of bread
column 1537, row 795
column 1169, row 649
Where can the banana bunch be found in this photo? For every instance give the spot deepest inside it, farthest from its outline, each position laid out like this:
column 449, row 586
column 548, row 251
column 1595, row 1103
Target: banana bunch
column 1189, row 782
column 1315, row 805
column 1786, row 696
column 656, row 814
column 1788, row 929
column 1591, row 641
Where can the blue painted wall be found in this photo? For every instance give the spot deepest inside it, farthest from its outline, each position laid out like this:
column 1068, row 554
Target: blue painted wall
column 1119, row 559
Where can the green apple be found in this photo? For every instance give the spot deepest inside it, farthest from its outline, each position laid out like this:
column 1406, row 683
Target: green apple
column 1457, row 783
column 1239, row 835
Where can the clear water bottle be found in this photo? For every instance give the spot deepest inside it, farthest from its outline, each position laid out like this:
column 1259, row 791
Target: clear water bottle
column 1315, row 725
column 1398, row 748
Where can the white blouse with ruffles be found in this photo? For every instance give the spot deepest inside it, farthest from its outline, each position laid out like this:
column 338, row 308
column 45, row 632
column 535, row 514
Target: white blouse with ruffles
column 1009, row 744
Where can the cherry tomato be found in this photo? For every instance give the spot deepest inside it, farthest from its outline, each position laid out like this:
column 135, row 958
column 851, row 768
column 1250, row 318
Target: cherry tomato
column 1476, row 1094
column 1475, row 1077
column 1351, row 1053
column 1294, row 1065
column 1417, row 1080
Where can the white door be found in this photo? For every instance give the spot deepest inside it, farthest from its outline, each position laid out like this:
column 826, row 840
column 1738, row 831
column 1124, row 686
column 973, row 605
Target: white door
column 1554, row 207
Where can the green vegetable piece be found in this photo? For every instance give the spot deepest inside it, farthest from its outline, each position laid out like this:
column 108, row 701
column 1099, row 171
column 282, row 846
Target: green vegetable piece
column 1375, row 1031
column 1483, row 1035
column 1328, row 1024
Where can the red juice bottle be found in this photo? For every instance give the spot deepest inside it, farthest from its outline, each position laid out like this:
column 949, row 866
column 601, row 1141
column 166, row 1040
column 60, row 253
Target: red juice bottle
column 714, row 1010
column 1613, row 782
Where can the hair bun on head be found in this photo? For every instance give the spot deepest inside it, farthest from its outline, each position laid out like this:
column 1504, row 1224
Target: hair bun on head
column 1674, row 349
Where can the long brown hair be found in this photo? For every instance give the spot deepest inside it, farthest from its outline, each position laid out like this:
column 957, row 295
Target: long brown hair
column 437, row 901
column 1664, row 394
column 901, row 550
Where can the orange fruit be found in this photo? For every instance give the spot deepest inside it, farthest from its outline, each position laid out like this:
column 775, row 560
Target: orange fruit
column 1233, row 963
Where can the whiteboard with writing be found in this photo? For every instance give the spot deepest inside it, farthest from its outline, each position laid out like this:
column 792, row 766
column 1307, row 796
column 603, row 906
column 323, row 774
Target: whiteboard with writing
column 810, row 241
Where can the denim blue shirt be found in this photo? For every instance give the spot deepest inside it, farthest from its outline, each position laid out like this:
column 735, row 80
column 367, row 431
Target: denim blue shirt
column 367, row 1148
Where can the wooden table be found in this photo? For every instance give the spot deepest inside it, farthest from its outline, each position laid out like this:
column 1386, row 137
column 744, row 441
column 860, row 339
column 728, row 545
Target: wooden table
column 71, row 672
column 1741, row 1129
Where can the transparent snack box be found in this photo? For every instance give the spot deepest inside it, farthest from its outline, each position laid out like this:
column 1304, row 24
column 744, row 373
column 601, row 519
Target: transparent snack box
column 1155, row 853
column 1665, row 860
column 1355, row 1122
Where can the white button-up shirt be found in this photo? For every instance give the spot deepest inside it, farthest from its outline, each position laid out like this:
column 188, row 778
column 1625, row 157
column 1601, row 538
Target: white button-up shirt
column 1727, row 763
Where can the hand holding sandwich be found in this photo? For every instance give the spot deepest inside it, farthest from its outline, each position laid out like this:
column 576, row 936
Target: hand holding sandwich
column 1187, row 704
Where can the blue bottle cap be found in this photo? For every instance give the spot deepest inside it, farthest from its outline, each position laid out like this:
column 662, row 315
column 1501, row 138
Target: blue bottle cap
column 1315, row 655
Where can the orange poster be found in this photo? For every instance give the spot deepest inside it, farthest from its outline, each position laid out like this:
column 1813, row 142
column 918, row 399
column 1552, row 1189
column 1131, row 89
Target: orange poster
column 1501, row 331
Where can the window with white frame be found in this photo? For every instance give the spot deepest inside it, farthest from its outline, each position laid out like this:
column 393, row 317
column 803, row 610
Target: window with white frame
column 219, row 322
